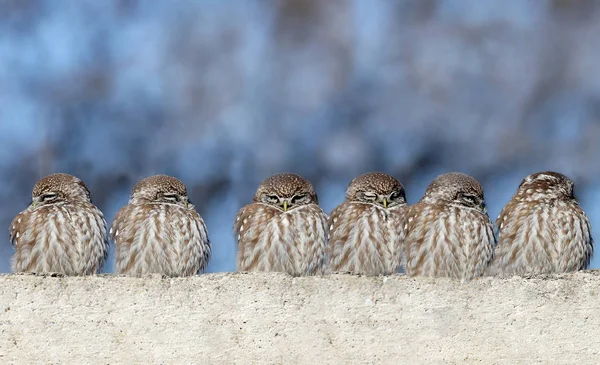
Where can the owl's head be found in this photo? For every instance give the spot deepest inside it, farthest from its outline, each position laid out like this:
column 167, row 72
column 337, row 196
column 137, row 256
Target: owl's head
column 546, row 185
column 161, row 189
column 286, row 192
column 59, row 188
column 456, row 188
column 376, row 188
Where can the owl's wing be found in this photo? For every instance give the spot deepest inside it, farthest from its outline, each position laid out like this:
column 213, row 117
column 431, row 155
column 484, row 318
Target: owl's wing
column 251, row 216
column 327, row 250
column 590, row 240
column 119, row 222
column 408, row 217
column 17, row 227
column 412, row 252
column 114, row 226
column 339, row 219
column 248, row 226
column 200, row 249
column 238, row 222
column 506, row 211
column 334, row 217
column 337, row 223
column 502, row 249
column 399, row 215
column 587, row 236
column 590, row 252
column 488, row 234
column 316, row 257
column 324, row 221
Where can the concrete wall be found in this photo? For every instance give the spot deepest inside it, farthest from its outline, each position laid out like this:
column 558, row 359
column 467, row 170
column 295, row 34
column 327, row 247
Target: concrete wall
column 273, row 318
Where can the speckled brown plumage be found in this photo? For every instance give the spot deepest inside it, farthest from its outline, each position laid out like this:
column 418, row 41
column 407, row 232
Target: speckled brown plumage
column 159, row 231
column 283, row 229
column 366, row 230
column 448, row 231
column 542, row 229
column 61, row 231
column 285, row 185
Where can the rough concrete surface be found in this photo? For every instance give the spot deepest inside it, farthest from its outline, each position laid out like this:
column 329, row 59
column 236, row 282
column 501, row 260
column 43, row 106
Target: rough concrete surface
column 274, row 318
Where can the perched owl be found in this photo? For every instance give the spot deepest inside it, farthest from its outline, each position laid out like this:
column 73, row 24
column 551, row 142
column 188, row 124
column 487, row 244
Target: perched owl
column 542, row 229
column 61, row 231
column 159, row 231
column 449, row 233
column 283, row 229
column 366, row 230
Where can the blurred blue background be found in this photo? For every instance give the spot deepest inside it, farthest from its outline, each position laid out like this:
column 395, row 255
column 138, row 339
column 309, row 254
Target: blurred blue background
column 223, row 93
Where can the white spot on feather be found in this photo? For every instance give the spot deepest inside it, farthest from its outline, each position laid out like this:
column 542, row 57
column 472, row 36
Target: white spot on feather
column 19, row 220
column 242, row 228
column 17, row 234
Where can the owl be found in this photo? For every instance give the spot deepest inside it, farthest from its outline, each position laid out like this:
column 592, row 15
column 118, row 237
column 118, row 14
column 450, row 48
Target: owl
column 366, row 230
column 159, row 231
column 283, row 229
column 542, row 229
column 448, row 232
column 61, row 231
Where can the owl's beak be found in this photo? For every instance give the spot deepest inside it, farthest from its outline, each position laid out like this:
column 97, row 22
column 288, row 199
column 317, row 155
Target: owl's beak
column 385, row 202
column 285, row 205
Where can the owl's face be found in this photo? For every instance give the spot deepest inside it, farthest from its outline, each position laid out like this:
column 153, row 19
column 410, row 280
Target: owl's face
column 457, row 189
column 546, row 186
column 161, row 189
column 376, row 188
column 58, row 189
column 286, row 192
